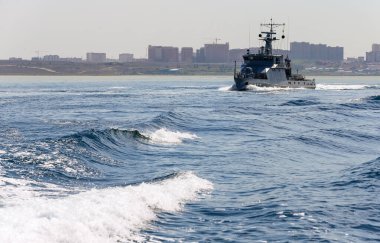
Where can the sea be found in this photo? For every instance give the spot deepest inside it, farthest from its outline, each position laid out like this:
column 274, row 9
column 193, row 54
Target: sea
column 188, row 159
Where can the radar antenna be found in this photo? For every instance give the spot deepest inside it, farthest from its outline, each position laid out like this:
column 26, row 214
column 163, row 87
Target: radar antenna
column 269, row 36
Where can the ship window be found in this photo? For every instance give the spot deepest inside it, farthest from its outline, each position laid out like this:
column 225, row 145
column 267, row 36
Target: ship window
column 290, row 82
column 304, row 82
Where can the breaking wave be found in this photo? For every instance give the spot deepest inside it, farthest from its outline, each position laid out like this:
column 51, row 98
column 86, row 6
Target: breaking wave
column 165, row 136
column 117, row 136
column 99, row 215
column 81, row 157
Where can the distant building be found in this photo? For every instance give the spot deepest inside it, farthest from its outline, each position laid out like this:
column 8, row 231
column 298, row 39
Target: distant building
column 200, row 55
column 374, row 55
column 170, row 54
column 36, row 59
column 354, row 59
column 96, row 57
column 70, row 59
column 187, row 54
column 216, row 53
column 15, row 59
column 125, row 57
column 163, row 54
column 155, row 53
column 285, row 53
column 51, row 58
column 315, row 52
column 375, row 47
column 236, row 55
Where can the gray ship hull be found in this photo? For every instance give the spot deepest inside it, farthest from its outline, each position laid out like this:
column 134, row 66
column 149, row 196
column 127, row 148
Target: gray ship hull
column 243, row 83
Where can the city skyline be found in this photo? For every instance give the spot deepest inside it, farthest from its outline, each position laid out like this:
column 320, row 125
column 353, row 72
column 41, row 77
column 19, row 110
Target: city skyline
column 72, row 28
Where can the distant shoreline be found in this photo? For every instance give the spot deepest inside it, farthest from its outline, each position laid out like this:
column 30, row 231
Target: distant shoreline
column 178, row 75
column 41, row 68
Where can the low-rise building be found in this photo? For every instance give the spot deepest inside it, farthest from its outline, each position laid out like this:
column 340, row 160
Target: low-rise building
column 96, row 57
column 125, row 57
column 50, row 58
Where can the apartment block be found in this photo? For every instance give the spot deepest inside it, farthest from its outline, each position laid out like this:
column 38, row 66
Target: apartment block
column 125, row 57
column 316, row 52
column 187, row 54
column 96, row 57
column 163, row 54
column 374, row 55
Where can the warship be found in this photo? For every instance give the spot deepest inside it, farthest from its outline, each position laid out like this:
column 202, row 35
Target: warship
column 265, row 69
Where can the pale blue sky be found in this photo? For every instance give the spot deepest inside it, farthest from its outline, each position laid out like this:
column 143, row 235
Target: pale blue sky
column 74, row 27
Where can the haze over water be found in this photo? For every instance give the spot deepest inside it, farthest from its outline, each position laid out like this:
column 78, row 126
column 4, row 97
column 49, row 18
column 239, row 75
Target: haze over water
column 159, row 158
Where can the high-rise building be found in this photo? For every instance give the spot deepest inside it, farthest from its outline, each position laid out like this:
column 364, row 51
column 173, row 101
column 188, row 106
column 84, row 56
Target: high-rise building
column 374, row 55
column 375, row 47
column 125, row 57
column 216, row 53
column 316, row 52
column 200, row 55
column 187, row 54
column 170, row 54
column 96, row 57
column 163, row 54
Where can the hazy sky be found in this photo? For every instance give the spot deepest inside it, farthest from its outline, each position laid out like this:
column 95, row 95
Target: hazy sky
column 73, row 27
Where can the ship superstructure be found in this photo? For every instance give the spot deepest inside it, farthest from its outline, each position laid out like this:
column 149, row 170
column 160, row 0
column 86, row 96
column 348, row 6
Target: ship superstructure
column 265, row 69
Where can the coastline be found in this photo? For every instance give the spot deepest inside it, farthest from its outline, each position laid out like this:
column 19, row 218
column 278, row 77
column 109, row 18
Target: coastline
column 30, row 68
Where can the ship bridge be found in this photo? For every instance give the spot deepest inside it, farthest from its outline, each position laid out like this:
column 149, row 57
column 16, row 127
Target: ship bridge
column 258, row 62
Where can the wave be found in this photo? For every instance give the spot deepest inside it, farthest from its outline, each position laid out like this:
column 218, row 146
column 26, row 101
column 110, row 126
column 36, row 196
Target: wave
column 170, row 119
column 365, row 175
column 100, row 215
column 84, row 157
column 300, row 102
column 371, row 102
column 165, row 136
column 117, row 136
column 375, row 98
column 345, row 86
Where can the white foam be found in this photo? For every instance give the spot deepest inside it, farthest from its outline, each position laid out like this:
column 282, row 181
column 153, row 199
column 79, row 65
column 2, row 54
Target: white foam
column 300, row 214
column 2, row 151
column 100, row 215
column 268, row 89
column 341, row 86
column 227, row 88
column 165, row 136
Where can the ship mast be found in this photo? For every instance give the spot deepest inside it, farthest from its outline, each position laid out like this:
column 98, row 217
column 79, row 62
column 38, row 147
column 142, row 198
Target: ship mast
column 269, row 36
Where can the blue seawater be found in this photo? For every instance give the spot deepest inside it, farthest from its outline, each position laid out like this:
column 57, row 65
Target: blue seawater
column 187, row 159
